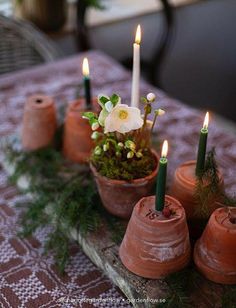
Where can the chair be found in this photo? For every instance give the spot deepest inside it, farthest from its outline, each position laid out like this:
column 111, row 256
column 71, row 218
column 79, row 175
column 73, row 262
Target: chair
column 152, row 68
column 22, row 45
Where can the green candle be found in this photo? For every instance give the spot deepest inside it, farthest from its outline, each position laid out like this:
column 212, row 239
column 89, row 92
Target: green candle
column 161, row 178
column 202, row 147
column 87, row 83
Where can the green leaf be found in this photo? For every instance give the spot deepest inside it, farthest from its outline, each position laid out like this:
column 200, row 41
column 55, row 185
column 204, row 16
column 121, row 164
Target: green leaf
column 102, row 100
column 144, row 100
column 89, row 115
column 114, row 99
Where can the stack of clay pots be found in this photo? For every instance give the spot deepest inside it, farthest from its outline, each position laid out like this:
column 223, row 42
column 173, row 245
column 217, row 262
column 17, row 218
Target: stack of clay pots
column 39, row 122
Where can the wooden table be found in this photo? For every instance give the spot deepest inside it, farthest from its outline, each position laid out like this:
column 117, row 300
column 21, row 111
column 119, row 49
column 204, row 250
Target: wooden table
column 27, row 277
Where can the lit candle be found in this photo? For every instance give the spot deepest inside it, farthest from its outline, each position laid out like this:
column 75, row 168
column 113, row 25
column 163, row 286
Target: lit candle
column 161, row 178
column 85, row 69
column 136, row 69
column 202, row 146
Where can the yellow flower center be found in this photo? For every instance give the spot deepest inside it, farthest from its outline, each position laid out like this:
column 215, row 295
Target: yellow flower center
column 123, row 114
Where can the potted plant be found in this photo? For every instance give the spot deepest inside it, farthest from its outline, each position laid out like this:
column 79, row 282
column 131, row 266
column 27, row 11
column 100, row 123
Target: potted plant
column 123, row 163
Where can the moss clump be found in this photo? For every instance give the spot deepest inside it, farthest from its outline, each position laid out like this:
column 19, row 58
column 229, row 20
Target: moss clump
column 121, row 168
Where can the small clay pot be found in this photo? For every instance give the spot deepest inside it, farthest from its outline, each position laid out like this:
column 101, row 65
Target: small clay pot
column 39, row 122
column 119, row 196
column 215, row 251
column 77, row 142
column 155, row 246
column 183, row 189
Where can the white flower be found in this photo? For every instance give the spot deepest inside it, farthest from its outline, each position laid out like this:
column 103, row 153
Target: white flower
column 151, row 97
column 123, row 119
column 95, row 125
column 109, row 106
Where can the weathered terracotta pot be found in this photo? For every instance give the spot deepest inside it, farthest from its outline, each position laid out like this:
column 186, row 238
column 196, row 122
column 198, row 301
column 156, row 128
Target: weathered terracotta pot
column 215, row 251
column 39, row 122
column 118, row 196
column 155, row 246
column 77, row 142
column 183, row 189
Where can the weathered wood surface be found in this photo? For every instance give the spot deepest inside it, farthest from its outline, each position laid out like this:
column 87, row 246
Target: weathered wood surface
column 141, row 292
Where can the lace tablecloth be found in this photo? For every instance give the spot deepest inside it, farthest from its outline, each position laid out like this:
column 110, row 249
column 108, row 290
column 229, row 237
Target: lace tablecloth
column 27, row 277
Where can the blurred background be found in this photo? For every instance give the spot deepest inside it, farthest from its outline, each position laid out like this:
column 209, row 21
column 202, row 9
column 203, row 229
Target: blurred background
column 188, row 46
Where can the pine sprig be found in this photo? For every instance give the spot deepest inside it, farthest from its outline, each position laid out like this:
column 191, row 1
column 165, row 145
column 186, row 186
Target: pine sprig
column 209, row 189
column 63, row 196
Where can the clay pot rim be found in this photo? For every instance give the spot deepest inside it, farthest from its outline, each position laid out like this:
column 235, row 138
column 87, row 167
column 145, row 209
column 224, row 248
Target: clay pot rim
column 220, row 226
column 72, row 106
column 130, row 182
column 171, row 219
column 190, row 183
column 47, row 101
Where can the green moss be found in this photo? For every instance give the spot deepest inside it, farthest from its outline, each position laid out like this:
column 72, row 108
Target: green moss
column 121, row 168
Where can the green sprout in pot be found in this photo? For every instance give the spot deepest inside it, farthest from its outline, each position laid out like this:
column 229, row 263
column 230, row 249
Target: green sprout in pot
column 122, row 136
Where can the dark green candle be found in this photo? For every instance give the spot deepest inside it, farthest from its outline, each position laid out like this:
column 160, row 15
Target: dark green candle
column 202, row 147
column 161, row 178
column 87, row 90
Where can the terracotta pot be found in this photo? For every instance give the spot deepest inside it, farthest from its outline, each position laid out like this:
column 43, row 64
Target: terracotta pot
column 155, row 246
column 183, row 189
column 119, row 196
column 77, row 142
column 215, row 251
column 39, row 122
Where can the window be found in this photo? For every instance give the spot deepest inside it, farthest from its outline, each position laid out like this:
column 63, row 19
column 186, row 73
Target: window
column 6, row 7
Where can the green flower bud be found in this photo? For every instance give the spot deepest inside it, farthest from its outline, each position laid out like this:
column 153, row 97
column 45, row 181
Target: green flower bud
column 120, row 145
column 151, row 97
column 105, row 147
column 160, row 112
column 130, row 145
column 95, row 135
column 95, row 125
column 97, row 150
column 118, row 154
column 130, row 154
column 139, row 154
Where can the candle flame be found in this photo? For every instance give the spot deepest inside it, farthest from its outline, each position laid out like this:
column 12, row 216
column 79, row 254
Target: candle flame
column 206, row 121
column 138, row 35
column 164, row 150
column 85, row 67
